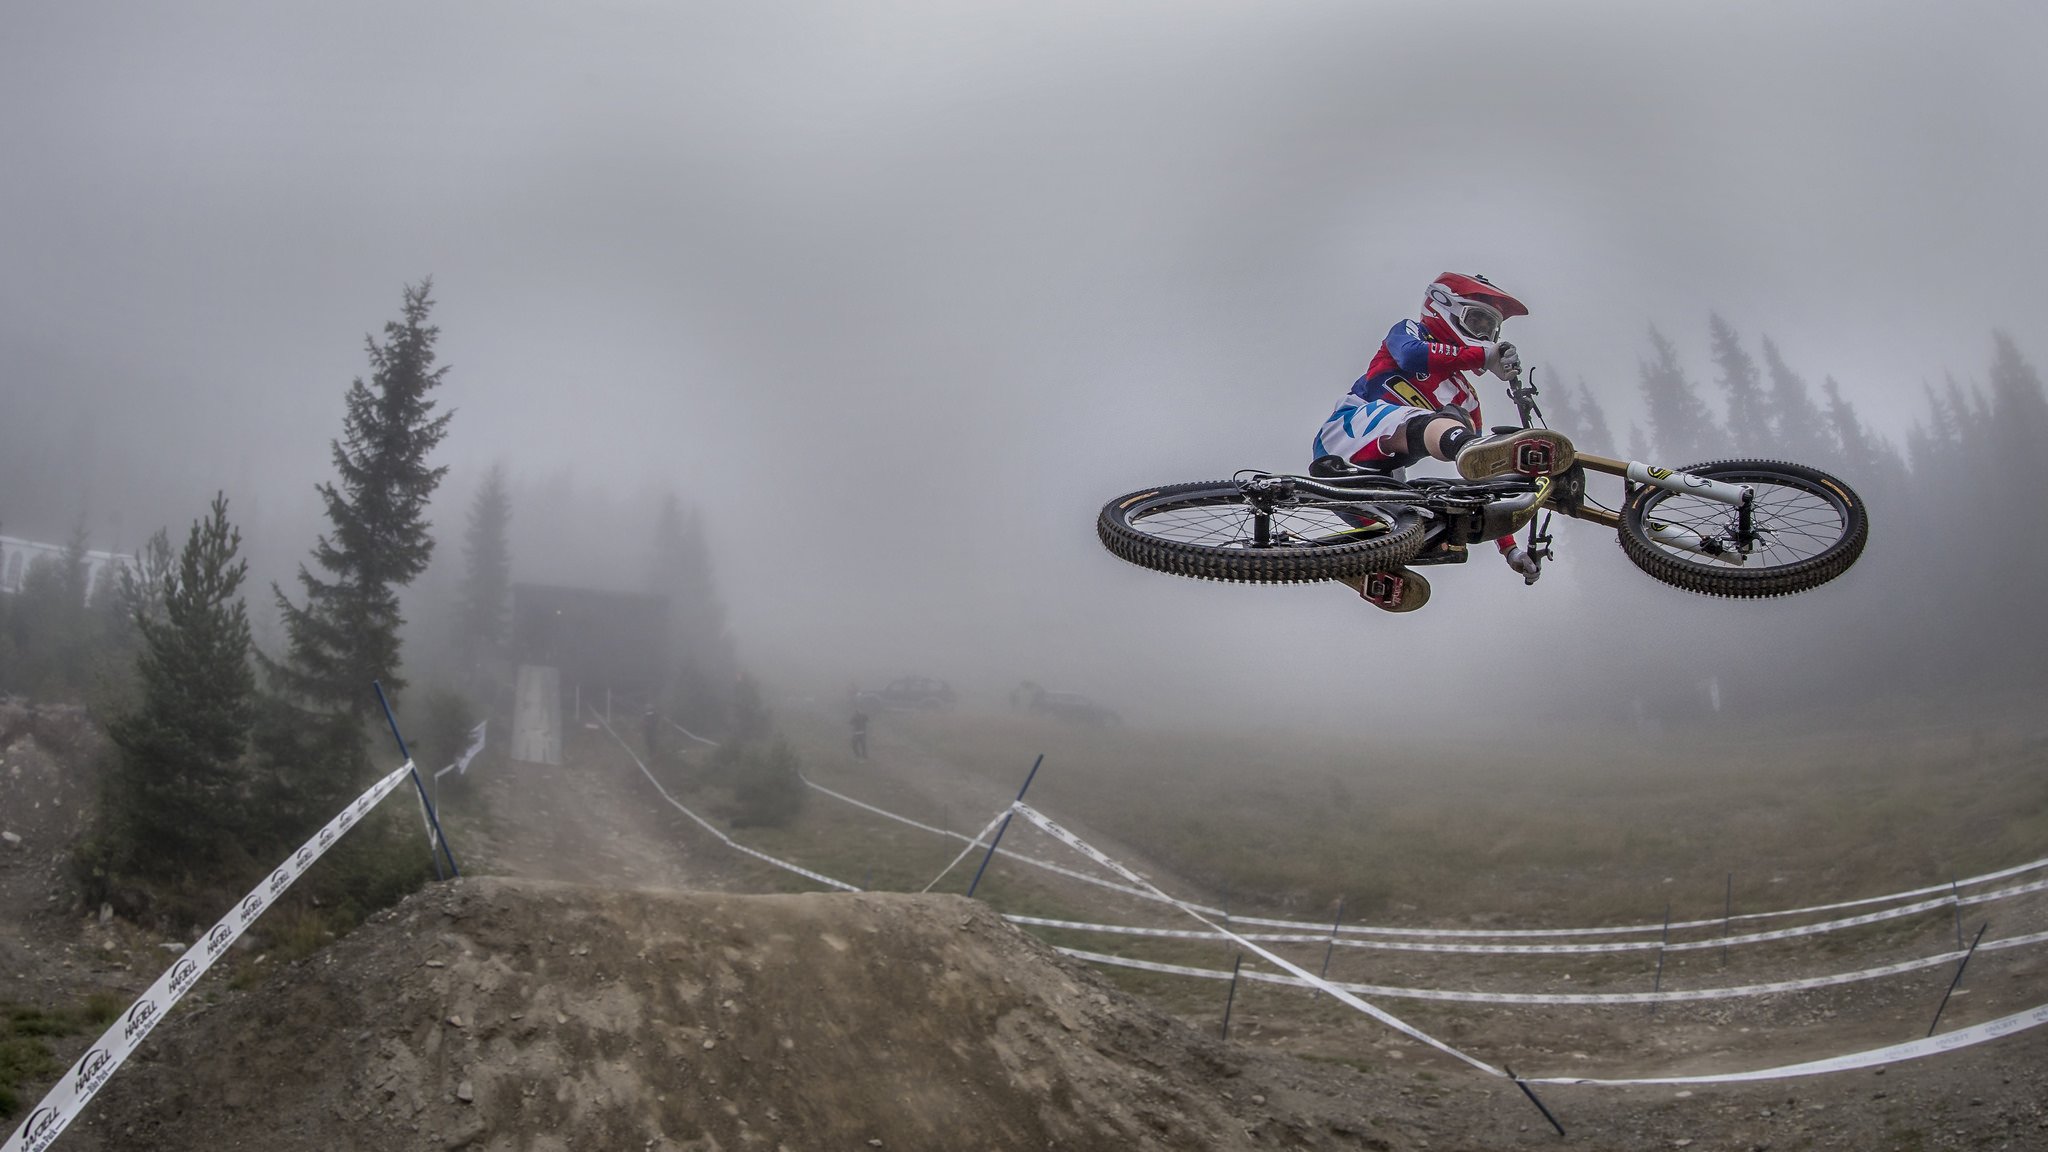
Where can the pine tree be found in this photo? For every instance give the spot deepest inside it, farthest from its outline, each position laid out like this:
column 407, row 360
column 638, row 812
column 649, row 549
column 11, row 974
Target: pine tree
column 1798, row 427
column 486, row 598
column 52, row 631
column 703, row 651
column 345, row 635
column 310, row 736
column 2019, row 408
column 2018, row 425
column 1852, row 444
column 142, row 583
column 1681, row 426
column 1742, row 387
column 1558, row 410
column 179, row 789
column 1592, row 421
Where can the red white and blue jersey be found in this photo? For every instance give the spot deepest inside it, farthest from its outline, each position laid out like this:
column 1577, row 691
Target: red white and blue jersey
column 1417, row 369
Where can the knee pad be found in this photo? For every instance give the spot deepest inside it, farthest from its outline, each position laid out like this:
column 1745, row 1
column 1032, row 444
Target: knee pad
column 1411, row 432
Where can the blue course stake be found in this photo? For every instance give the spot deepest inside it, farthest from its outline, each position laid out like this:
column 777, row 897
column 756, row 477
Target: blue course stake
column 1232, row 997
column 1004, row 826
column 1943, row 1007
column 1332, row 945
column 432, row 818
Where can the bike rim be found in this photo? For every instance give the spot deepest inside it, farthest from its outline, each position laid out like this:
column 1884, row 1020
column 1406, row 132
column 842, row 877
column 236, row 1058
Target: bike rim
column 1237, row 523
column 1795, row 521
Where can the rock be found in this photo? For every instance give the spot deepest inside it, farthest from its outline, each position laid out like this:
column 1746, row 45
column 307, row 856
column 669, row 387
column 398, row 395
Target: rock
column 171, row 946
column 13, row 841
column 455, row 1021
column 106, row 913
column 466, row 1092
column 1258, row 1099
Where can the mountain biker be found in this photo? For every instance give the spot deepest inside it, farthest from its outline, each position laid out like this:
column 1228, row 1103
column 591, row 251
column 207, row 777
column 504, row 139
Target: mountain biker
column 1414, row 402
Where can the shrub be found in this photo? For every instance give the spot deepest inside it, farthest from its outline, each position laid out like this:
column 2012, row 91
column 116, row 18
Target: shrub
column 766, row 790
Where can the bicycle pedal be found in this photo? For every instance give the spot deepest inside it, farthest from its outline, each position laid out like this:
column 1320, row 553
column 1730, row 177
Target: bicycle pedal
column 1401, row 591
column 1534, row 458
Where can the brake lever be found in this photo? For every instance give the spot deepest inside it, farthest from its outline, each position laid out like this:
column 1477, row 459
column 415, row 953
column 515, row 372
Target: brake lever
column 1539, row 546
column 1524, row 396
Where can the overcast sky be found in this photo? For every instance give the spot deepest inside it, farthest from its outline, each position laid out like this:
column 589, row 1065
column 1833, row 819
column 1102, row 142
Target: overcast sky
column 900, row 293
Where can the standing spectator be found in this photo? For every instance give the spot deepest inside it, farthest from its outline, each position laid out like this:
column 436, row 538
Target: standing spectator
column 650, row 733
column 860, row 734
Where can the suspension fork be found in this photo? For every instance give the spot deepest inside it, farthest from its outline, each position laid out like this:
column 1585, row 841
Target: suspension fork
column 1740, row 496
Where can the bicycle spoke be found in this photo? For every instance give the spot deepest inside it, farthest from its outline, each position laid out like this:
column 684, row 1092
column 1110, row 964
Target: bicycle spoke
column 1231, row 525
column 1791, row 524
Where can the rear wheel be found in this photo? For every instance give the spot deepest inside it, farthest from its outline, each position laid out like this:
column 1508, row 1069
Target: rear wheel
column 1218, row 530
column 1806, row 528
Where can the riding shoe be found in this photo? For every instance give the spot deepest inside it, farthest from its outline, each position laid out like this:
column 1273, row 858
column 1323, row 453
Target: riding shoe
column 1401, row 590
column 1522, row 451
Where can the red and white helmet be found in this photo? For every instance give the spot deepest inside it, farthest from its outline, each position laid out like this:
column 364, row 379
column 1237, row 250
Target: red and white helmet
column 1469, row 308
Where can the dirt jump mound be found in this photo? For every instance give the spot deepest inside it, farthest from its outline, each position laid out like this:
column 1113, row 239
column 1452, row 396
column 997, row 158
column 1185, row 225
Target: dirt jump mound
column 500, row 1014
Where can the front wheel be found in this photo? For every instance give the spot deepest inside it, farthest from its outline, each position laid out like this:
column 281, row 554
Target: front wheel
column 1806, row 528
column 1218, row 530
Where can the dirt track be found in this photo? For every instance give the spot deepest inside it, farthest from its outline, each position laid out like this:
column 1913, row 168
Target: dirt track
column 591, row 820
column 510, row 1013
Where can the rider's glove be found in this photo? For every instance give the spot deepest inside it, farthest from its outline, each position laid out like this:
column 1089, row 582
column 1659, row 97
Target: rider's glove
column 1519, row 559
column 1503, row 360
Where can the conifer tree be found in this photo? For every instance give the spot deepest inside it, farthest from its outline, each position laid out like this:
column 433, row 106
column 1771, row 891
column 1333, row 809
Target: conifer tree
column 1558, row 409
column 1592, row 426
column 703, row 651
column 486, row 598
column 179, row 789
column 142, row 583
column 53, row 633
column 345, row 634
column 1681, row 426
column 1853, row 445
column 2019, row 421
column 1798, row 428
column 310, row 734
column 1742, row 387
column 2019, row 409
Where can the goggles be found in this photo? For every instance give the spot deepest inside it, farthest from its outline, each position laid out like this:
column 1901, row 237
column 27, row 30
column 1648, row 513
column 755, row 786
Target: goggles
column 1479, row 321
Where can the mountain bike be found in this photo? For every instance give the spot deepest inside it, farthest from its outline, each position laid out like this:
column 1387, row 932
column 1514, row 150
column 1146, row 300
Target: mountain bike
column 1740, row 528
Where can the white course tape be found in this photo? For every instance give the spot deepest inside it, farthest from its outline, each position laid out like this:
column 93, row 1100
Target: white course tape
column 692, row 735
column 1678, row 925
column 476, row 745
column 1544, row 949
column 1006, row 854
column 85, row 1077
column 885, row 812
column 1483, row 933
column 1380, row 1014
column 1577, row 998
column 1896, row 1053
column 729, row 842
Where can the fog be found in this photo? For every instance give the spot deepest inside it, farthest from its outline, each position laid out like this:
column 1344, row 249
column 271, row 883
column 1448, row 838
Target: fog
column 899, row 293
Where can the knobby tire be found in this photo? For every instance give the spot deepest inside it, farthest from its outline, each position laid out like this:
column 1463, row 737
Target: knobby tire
column 1712, row 578
column 1122, row 528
